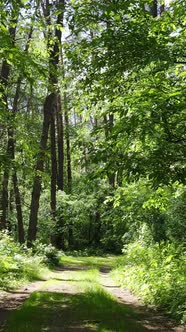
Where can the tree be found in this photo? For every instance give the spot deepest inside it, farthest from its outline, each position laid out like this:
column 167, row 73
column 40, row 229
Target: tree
column 141, row 76
column 4, row 77
column 51, row 108
column 86, row 119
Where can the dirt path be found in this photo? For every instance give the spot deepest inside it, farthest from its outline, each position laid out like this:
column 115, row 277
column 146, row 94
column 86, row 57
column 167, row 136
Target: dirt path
column 11, row 300
column 70, row 315
column 150, row 318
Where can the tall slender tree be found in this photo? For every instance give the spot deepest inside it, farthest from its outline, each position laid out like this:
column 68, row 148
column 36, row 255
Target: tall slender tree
column 4, row 78
column 51, row 111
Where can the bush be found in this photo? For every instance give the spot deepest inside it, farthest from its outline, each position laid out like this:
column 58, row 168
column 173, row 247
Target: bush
column 156, row 273
column 17, row 264
column 86, row 252
column 49, row 254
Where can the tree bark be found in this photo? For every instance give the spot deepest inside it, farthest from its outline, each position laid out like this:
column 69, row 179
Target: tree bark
column 11, row 146
column 36, row 192
column 21, row 233
column 50, row 107
column 55, row 60
column 4, row 200
column 108, row 124
column 68, row 152
column 60, row 143
column 5, row 73
column 4, row 77
column 53, row 163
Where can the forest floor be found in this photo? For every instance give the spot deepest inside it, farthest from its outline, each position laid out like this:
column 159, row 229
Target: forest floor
column 79, row 296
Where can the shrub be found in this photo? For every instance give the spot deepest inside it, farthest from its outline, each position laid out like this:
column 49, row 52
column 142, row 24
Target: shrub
column 156, row 273
column 49, row 254
column 17, row 264
column 86, row 252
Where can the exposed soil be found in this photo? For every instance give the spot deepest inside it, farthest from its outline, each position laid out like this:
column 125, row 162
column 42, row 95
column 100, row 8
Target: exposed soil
column 151, row 319
column 13, row 299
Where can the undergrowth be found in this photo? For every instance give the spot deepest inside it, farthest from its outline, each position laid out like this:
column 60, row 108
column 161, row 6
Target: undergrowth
column 156, row 273
column 18, row 264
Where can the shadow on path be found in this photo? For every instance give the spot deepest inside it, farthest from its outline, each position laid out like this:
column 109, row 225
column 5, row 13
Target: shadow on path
column 60, row 307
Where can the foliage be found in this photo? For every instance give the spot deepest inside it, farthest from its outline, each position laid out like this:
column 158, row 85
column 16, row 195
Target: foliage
column 158, row 212
column 176, row 216
column 48, row 253
column 121, row 76
column 17, row 263
column 156, row 273
column 86, row 253
column 145, row 92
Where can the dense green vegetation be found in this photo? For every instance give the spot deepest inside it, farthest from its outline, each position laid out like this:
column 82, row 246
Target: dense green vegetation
column 92, row 140
column 19, row 265
column 157, row 274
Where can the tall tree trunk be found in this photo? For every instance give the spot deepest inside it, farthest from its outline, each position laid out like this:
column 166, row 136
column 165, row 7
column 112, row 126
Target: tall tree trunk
column 69, row 174
column 59, row 236
column 36, row 192
column 4, row 77
column 50, row 106
column 108, row 125
column 21, row 234
column 11, row 144
column 69, row 170
column 16, row 188
column 68, row 166
column 60, row 144
column 68, row 152
column 97, row 230
column 4, row 200
column 53, row 163
column 5, row 73
column 6, row 175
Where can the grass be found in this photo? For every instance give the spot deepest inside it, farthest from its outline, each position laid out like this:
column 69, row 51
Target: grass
column 89, row 308
column 22, row 272
column 18, row 265
column 77, row 280
column 157, row 274
column 94, row 310
column 90, row 262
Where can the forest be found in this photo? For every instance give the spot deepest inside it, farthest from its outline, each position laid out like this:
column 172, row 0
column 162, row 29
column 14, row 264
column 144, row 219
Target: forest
column 92, row 147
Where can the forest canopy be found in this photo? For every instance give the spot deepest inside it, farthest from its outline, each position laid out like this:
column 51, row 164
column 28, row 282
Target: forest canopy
column 92, row 122
column 92, row 136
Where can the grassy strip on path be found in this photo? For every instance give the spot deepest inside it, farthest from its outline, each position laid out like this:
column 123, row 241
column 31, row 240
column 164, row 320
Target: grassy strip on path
column 74, row 300
column 90, row 262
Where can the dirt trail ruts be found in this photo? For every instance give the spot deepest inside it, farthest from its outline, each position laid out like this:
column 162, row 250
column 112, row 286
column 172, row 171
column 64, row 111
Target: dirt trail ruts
column 11, row 300
column 149, row 318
